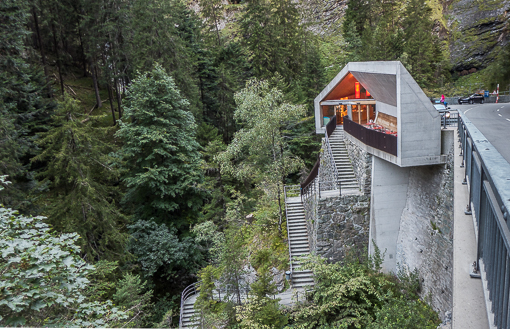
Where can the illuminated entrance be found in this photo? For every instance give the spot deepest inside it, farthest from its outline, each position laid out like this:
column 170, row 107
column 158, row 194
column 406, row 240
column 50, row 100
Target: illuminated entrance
column 361, row 111
column 349, row 97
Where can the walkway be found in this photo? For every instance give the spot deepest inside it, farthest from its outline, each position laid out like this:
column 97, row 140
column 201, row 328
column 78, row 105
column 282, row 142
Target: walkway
column 468, row 299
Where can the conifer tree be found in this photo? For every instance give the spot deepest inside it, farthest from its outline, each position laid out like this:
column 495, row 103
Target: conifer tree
column 24, row 106
column 420, row 44
column 160, row 153
column 78, row 183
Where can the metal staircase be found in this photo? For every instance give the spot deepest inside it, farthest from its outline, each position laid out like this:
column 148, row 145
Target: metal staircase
column 342, row 160
column 188, row 298
column 298, row 242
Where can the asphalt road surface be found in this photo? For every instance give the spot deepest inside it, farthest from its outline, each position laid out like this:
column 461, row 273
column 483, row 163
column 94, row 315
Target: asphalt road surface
column 493, row 120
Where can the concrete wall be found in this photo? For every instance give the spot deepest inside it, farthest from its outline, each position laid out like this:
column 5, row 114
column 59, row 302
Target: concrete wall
column 419, row 124
column 385, row 108
column 388, row 199
column 425, row 239
column 342, row 225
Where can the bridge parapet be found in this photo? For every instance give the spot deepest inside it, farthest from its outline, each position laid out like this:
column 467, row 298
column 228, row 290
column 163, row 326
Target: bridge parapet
column 487, row 175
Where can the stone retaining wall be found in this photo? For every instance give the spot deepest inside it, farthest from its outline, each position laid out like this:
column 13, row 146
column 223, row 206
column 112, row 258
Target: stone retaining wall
column 327, row 176
column 342, row 224
column 362, row 164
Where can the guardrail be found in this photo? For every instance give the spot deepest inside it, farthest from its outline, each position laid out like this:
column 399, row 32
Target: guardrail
column 487, row 175
column 187, row 293
column 290, row 191
column 376, row 139
column 330, row 127
column 311, row 177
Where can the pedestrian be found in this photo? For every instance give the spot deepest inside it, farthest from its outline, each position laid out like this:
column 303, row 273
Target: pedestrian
column 442, row 99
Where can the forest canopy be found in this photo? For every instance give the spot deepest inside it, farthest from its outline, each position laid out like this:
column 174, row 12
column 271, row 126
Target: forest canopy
column 147, row 144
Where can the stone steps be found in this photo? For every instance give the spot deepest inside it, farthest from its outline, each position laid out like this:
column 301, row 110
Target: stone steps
column 187, row 315
column 298, row 243
column 342, row 161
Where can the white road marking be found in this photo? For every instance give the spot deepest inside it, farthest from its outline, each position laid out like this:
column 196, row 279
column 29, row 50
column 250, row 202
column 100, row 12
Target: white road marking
column 498, row 110
column 507, row 119
column 466, row 111
column 500, row 115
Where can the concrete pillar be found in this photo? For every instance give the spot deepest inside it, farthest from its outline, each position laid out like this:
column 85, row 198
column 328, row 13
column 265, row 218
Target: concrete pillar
column 388, row 199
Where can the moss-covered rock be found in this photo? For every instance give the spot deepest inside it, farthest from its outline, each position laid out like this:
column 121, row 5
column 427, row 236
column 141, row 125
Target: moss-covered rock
column 477, row 31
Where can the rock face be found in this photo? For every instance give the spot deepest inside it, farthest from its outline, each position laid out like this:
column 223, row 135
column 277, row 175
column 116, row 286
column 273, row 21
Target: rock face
column 425, row 240
column 477, row 30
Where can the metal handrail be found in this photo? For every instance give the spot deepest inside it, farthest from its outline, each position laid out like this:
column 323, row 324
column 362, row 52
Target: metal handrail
column 313, row 174
column 287, row 221
column 186, row 293
column 330, row 152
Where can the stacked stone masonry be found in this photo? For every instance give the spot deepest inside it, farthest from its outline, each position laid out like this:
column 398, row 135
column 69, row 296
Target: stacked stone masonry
column 342, row 225
column 327, row 176
column 362, row 165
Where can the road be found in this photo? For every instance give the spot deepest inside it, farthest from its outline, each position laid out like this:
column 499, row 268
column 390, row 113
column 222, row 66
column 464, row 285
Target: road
column 493, row 121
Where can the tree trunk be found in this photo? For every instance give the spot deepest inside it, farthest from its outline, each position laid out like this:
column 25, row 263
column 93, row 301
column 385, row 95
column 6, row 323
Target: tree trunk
column 119, row 100
column 96, row 86
column 83, row 56
column 59, row 64
column 39, row 40
column 108, row 86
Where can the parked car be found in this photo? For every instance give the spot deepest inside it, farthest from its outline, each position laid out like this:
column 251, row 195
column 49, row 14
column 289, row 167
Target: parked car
column 475, row 98
column 441, row 108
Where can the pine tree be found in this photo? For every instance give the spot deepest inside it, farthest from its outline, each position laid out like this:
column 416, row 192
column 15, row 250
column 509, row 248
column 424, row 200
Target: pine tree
column 160, row 153
column 420, row 44
column 78, row 183
column 24, row 106
column 273, row 36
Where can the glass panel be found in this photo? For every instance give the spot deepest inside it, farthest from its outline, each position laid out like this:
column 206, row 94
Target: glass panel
column 363, row 114
column 327, row 112
column 372, row 112
column 341, row 111
column 355, row 113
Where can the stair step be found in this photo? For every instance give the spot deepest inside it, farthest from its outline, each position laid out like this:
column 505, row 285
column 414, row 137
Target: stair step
column 297, row 230
column 295, row 238
column 300, row 250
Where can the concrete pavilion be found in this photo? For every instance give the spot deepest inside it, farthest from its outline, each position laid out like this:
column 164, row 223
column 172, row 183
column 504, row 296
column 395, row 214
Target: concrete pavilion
column 383, row 111
column 385, row 94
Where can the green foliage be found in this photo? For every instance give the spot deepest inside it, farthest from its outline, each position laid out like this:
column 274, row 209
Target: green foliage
column 260, row 150
column 160, row 155
column 402, row 313
column 158, row 248
column 420, row 46
column 357, row 295
column 261, row 313
column 43, row 279
column 78, row 183
column 24, row 104
column 102, row 279
column 271, row 33
column 133, row 295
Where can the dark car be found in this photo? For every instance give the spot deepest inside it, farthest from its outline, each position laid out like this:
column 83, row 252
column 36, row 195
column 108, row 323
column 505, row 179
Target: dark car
column 475, row 98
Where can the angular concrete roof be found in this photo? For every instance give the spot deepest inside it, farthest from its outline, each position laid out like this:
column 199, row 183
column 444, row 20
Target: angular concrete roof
column 396, row 93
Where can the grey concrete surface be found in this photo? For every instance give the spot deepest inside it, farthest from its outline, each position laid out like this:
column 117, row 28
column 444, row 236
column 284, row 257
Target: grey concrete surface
column 493, row 121
column 388, row 199
column 392, row 87
column 468, row 298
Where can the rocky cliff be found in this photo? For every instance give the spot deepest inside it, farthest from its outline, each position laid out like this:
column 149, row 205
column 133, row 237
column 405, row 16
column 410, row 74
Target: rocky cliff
column 477, row 29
